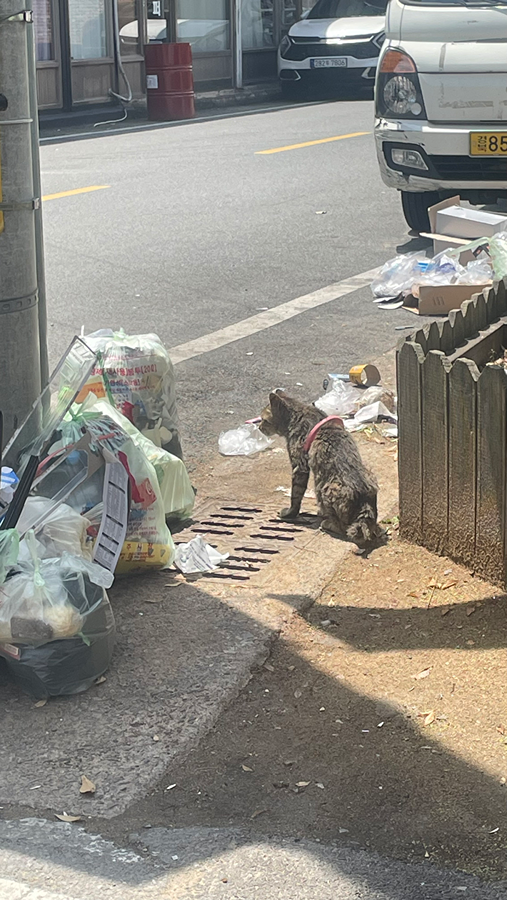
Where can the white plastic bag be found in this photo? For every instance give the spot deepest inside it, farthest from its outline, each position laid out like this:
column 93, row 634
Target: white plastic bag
column 63, row 531
column 340, row 400
column 398, row 275
column 198, row 556
column 136, row 375
column 243, row 441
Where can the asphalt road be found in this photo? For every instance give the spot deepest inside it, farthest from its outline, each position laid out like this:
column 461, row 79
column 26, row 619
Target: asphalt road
column 197, row 231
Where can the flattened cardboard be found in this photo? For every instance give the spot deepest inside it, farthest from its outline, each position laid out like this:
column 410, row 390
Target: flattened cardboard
column 437, row 300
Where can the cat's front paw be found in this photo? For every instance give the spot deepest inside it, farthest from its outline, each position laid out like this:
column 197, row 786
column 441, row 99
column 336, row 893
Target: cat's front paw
column 288, row 513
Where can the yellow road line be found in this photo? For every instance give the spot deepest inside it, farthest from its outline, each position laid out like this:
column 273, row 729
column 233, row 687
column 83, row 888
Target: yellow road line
column 85, row 190
column 340, row 137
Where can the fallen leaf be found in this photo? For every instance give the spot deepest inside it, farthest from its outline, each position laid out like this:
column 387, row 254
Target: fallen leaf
column 429, row 717
column 246, row 768
column 470, row 610
column 413, row 594
column 258, row 812
column 40, row 703
column 290, row 668
column 445, row 610
column 87, row 786
column 448, row 584
column 269, row 667
column 65, row 818
column 501, row 729
column 302, row 783
column 319, row 785
column 101, row 679
column 424, row 674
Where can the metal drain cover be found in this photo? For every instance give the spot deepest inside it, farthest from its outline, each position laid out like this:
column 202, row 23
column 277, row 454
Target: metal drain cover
column 255, row 538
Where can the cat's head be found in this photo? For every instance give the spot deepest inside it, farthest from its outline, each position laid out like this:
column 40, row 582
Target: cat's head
column 276, row 415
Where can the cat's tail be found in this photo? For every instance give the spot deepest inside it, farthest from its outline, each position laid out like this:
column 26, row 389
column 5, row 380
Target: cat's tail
column 364, row 528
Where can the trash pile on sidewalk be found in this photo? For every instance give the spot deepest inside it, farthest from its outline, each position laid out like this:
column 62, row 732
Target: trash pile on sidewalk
column 90, row 478
column 360, row 400
column 470, row 248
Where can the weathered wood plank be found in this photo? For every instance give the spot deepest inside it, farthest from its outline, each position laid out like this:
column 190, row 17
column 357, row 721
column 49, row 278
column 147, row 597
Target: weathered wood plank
column 458, row 327
column 481, row 311
column 408, row 374
column 462, row 383
column 469, row 310
column 501, row 298
column 435, row 448
column 491, row 474
column 446, row 337
column 432, row 332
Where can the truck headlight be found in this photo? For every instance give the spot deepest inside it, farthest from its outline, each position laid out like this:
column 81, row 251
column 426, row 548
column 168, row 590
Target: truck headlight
column 398, row 91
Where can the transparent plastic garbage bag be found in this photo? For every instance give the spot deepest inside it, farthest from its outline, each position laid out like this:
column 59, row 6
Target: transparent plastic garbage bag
column 243, row 441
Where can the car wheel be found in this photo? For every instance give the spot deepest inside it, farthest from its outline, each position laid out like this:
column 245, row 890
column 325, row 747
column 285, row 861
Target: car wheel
column 415, row 208
column 291, row 90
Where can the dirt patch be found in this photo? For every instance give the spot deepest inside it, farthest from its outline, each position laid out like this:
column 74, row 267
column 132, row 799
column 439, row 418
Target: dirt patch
column 379, row 721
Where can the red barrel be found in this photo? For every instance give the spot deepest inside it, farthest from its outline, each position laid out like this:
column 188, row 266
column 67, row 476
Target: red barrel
column 169, row 81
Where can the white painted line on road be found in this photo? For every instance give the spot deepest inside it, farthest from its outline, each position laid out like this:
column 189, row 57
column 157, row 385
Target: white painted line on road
column 274, row 316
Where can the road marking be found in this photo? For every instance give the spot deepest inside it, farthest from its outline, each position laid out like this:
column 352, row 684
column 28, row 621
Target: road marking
column 339, row 137
column 85, row 190
column 271, row 317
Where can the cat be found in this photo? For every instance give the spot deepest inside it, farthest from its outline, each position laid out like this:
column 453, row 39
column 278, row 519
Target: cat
column 346, row 491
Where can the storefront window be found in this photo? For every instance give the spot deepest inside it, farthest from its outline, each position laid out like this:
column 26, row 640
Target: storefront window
column 43, row 20
column 257, row 24
column 128, row 26
column 204, row 24
column 87, row 19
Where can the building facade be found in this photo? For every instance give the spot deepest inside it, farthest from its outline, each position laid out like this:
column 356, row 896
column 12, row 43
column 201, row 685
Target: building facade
column 85, row 47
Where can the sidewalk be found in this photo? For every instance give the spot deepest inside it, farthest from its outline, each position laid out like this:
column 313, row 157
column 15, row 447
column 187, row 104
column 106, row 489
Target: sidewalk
column 110, row 117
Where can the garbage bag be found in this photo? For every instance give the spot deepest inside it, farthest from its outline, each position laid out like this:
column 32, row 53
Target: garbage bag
column 243, row 441
column 70, row 665
column 176, row 489
column 135, row 374
column 148, row 541
column 63, row 530
column 340, row 400
column 46, row 600
column 398, row 275
column 9, row 549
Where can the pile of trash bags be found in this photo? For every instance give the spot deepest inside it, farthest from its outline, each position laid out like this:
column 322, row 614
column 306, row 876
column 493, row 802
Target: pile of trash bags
column 403, row 274
column 92, row 478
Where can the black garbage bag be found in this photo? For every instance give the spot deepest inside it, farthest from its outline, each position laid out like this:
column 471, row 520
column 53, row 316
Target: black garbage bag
column 62, row 629
column 67, row 666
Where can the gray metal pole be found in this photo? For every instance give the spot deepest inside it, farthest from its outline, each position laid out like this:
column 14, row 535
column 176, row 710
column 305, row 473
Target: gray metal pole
column 39, row 233
column 20, row 368
column 238, row 44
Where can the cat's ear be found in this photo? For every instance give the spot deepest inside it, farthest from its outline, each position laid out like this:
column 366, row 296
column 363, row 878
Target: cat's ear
column 277, row 401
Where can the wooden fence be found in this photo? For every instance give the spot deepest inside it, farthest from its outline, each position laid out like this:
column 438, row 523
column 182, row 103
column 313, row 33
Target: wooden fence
column 452, row 435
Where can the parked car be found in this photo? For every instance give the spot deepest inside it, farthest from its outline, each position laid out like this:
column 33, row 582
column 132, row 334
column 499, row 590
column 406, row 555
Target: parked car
column 335, row 44
column 441, row 103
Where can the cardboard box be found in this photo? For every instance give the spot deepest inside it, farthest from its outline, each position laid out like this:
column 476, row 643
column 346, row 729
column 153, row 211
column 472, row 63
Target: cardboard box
column 443, row 240
column 437, row 300
column 460, row 222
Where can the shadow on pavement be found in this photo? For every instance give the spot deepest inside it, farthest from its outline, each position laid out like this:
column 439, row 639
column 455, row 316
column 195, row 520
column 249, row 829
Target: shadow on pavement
column 298, row 754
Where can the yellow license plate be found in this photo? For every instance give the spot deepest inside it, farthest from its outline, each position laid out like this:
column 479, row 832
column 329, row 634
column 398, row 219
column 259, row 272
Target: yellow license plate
column 488, row 143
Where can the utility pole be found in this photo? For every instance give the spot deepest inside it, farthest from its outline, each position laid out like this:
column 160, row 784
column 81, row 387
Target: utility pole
column 20, row 349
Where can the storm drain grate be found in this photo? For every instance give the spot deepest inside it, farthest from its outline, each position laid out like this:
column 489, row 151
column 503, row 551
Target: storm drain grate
column 256, row 530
